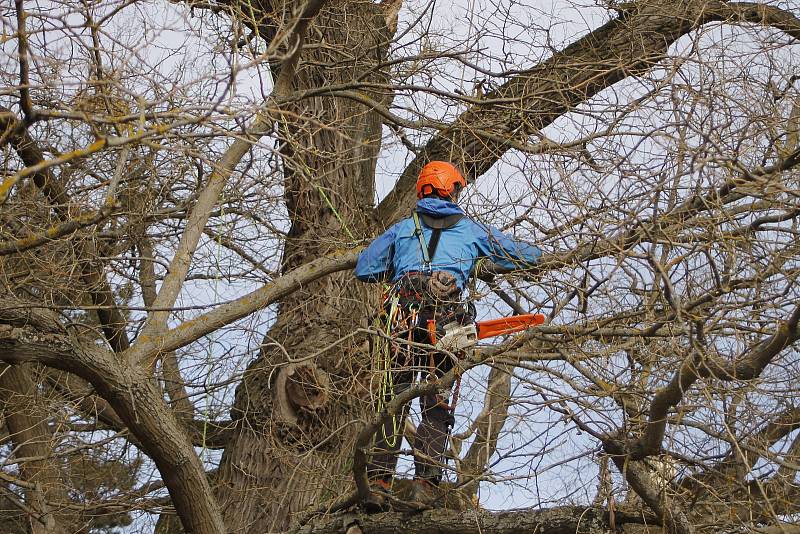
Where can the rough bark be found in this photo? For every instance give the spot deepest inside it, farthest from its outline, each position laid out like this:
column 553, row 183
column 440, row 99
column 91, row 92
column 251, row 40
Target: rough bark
column 282, row 458
column 139, row 405
column 564, row 520
column 26, row 419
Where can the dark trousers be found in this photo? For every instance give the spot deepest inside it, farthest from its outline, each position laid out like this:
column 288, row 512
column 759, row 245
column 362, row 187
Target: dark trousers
column 436, row 417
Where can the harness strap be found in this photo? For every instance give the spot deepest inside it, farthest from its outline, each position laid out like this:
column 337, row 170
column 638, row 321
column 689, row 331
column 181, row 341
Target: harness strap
column 437, row 232
column 426, row 258
column 428, row 249
column 436, row 226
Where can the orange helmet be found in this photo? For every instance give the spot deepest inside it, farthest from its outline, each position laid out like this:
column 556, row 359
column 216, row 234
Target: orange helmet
column 439, row 177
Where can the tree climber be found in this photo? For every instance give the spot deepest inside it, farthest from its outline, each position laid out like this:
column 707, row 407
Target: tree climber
column 428, row 258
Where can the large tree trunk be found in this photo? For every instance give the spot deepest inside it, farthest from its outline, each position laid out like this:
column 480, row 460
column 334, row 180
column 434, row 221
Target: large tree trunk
column 26, row 419
column 297, row 421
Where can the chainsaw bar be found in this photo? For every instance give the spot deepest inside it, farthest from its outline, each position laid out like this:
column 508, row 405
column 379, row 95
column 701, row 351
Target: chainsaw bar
column 508, row 325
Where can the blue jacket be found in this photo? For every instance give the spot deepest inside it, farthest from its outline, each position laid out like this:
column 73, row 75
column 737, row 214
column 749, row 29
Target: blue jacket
column 397, row 251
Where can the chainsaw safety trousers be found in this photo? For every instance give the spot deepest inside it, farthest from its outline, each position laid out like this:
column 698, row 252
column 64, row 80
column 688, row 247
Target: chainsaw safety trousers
column 435, row 417
column 397, row 251
column 429, row 444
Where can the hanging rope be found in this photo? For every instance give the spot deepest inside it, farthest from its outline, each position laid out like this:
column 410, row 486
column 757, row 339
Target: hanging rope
column 384, row 352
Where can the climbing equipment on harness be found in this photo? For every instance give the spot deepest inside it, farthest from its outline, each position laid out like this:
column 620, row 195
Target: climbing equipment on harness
column 383, row 351
column 408, row 313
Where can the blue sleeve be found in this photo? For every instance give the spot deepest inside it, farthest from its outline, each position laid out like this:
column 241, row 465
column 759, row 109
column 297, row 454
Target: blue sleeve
column 375, row 262
column 507, row 251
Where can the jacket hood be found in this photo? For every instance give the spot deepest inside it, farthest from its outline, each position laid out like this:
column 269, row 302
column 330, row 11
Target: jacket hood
column 437, row 207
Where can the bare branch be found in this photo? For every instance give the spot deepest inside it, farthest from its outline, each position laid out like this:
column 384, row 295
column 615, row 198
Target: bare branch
column 247, row 304
column 132, row 395
column 206, row 200
column 55, row 232
column 623, row 47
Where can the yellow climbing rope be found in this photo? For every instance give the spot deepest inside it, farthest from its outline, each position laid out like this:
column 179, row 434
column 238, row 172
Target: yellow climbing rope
column 383, row 354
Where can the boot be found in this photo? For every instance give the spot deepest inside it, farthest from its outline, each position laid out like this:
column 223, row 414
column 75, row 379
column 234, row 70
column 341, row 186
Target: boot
column 377, row 501
column 425, row 492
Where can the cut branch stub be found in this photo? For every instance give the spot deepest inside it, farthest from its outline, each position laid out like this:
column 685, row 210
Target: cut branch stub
column 301, row 387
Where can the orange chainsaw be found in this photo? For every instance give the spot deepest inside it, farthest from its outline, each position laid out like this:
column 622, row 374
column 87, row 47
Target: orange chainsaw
column 459, row 337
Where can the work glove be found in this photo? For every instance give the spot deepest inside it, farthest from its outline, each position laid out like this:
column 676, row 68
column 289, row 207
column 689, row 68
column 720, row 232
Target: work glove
column 442, row 285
